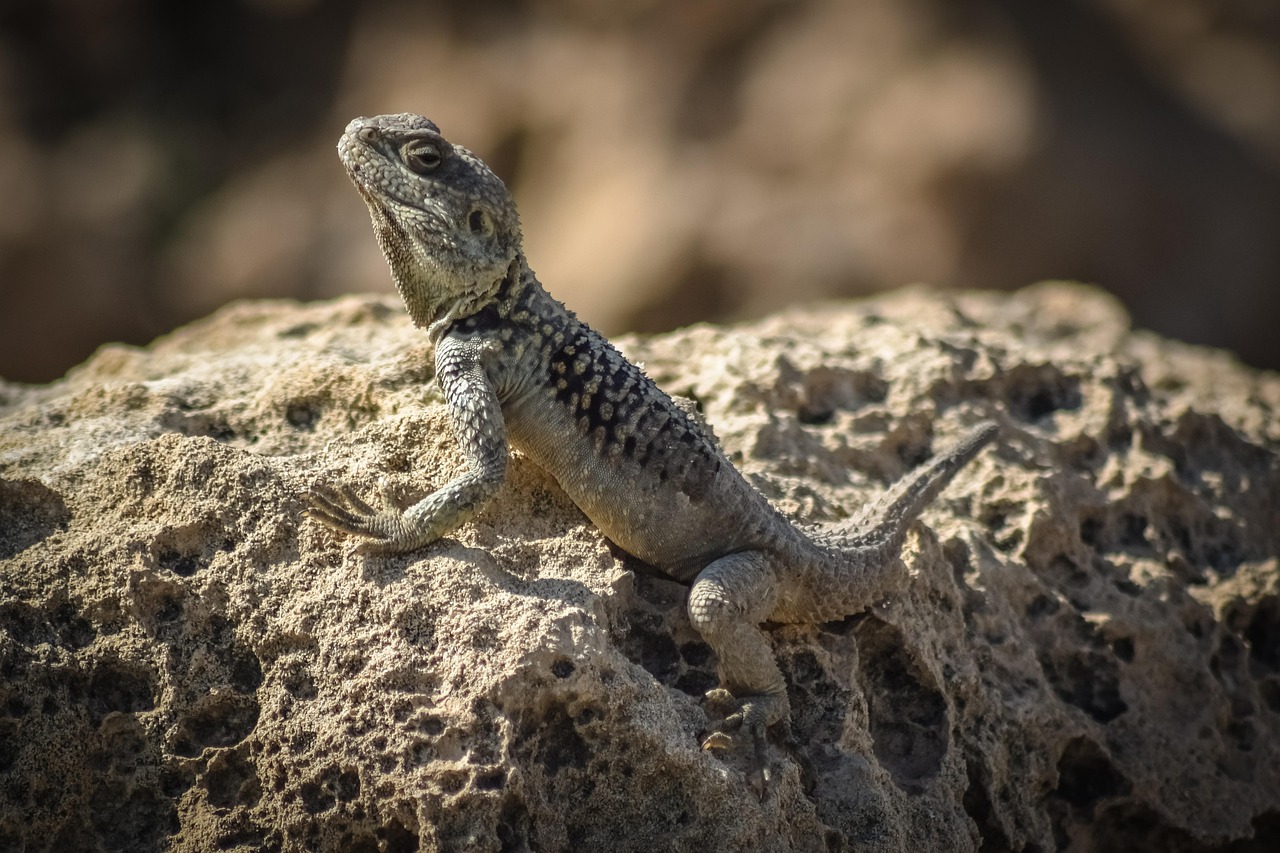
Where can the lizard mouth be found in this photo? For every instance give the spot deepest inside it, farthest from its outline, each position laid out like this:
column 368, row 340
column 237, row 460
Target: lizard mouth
column 368, row 167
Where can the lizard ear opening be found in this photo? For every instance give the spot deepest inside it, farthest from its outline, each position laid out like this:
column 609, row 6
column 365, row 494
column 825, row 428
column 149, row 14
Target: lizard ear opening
column 480, row 222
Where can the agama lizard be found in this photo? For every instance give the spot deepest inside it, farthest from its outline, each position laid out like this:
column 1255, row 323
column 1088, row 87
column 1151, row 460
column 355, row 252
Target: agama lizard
column 518, row 369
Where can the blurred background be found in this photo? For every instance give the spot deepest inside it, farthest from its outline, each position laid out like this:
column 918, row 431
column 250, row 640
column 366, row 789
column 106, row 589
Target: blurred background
column 674, row 160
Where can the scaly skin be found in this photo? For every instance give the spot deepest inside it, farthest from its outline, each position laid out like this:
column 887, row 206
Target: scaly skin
column 519, row 370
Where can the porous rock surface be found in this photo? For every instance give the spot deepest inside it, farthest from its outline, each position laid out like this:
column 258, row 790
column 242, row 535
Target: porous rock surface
column 1087, row 655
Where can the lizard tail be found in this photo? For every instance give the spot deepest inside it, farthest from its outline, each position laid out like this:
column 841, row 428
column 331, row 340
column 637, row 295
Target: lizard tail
column 882, row 527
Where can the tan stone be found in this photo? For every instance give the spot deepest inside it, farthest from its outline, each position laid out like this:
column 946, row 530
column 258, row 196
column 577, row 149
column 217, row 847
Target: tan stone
column 1088, row 653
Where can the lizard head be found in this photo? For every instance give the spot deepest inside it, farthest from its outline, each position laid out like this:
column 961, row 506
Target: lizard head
column 445, row 222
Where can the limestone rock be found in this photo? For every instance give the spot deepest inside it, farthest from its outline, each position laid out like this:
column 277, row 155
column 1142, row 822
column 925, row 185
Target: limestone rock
column 1087, row 655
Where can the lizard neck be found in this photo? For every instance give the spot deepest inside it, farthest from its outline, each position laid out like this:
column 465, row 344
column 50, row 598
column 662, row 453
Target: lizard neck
column 498, row 296
column 515, row 297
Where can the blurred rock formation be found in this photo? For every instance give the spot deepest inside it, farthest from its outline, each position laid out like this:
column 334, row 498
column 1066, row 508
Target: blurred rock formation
column 674, row 161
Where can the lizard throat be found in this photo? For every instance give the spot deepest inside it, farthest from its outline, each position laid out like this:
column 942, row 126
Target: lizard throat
column 428, row 291
column 437, row 317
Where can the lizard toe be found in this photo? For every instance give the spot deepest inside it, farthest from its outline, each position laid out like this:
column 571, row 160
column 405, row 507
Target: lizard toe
column 721, row 702
column 760, row 773
column 717, row 740
column 344, row 510
column 355, row 502
column 747, row 719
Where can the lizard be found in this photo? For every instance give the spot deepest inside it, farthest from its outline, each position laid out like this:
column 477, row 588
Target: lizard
column 519, row 370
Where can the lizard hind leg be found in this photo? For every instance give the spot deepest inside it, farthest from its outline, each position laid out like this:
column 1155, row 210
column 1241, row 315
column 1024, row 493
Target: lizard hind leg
column 729, row 599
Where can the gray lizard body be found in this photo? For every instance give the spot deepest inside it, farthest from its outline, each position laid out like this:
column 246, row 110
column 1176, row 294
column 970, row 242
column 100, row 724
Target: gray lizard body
column 519, row 370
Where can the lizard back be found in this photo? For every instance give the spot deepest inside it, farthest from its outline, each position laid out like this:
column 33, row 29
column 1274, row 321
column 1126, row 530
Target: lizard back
column 635, row 462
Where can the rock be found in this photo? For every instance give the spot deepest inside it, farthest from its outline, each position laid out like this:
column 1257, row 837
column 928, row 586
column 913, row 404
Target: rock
column 1087, row 654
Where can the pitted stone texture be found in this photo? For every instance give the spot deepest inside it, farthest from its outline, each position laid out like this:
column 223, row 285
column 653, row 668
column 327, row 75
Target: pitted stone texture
column 1086, row 656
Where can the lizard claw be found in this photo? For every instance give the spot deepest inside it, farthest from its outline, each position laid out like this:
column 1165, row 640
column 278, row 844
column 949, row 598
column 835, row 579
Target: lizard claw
column 744, row 716
column 342, row 509
column 721, row 702
column 717, row 740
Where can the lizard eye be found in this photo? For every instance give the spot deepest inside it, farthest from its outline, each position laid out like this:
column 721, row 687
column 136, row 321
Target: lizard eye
column 480, row 222
column 423, row 158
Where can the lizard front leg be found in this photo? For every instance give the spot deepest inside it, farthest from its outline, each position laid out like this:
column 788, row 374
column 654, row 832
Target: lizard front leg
column 729, row 599
column 477, row 421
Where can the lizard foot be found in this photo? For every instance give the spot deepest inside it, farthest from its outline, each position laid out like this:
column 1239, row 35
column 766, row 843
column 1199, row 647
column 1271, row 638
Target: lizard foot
column 382, row 527
column 750, row 715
